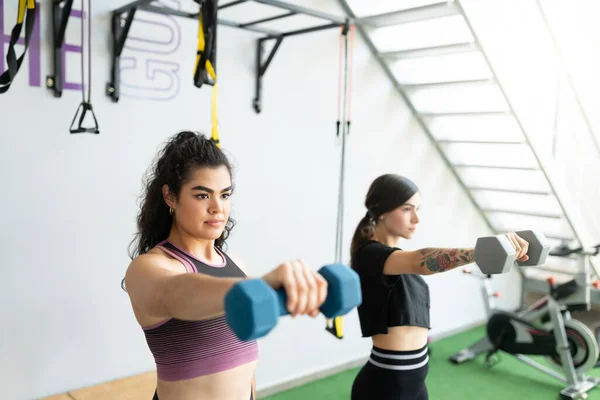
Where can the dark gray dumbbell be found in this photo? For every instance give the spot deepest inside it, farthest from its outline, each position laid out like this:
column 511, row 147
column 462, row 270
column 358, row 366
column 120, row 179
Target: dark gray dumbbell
column 496, row 255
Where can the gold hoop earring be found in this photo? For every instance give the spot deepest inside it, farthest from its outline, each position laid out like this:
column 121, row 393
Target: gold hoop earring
column 171, row 211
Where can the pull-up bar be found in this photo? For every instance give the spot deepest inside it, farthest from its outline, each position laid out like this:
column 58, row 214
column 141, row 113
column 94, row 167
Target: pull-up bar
column 122, row 19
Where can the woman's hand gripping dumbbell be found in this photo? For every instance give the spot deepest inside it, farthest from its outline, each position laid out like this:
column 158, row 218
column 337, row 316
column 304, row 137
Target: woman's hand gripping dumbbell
column 497, row 254
column 253, row 307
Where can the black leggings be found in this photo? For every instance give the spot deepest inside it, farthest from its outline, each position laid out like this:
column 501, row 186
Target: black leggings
column 393, row 375
column 156, row 396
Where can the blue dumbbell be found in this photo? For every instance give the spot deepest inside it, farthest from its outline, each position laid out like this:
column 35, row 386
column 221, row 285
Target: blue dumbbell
column 252, row 307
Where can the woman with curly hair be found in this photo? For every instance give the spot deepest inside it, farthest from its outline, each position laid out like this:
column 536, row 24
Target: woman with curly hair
column 180, row 274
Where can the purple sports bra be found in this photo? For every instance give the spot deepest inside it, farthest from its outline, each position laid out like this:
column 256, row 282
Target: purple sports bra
column 188, row 349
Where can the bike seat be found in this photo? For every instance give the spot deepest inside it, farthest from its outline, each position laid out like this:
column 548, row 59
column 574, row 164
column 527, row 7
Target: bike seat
column 564, row 290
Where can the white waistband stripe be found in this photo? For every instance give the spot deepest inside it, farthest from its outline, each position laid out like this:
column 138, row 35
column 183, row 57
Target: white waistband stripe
column 400, row 357
column 400, row 367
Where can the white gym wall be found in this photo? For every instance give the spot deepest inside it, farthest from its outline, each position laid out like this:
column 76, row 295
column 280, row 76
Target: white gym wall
column 70, row 201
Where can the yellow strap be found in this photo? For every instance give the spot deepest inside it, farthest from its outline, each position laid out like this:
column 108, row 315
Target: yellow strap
column 31, row 4
column 339, row 326
column 21, row 15
column 215, row 122
column 211, row 72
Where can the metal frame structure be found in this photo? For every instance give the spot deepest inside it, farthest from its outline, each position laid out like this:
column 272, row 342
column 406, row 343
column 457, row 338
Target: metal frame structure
column 123, row 17
column 523, row 130
column 370, row 21
column 436, row 10
column 60, row 18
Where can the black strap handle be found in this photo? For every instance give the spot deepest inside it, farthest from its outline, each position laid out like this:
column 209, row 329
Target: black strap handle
column 14, row 63
column 84, row 107
column 208, row 16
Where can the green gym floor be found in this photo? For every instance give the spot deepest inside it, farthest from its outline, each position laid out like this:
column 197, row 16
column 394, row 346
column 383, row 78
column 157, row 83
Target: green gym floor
column 510, row 379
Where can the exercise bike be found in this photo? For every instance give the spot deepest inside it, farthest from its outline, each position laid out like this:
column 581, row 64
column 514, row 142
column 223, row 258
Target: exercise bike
column 598, row 329
column 545, row 329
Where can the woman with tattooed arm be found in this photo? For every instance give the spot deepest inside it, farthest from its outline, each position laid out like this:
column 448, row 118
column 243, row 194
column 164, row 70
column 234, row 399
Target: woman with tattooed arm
column 395, row 307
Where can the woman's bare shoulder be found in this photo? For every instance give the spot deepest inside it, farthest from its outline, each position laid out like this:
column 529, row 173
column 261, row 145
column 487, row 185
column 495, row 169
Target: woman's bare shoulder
column 156, row 259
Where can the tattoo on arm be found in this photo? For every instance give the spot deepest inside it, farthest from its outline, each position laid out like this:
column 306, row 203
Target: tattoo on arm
column 441, row 260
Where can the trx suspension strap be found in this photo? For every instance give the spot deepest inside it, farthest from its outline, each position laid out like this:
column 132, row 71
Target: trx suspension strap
column 86, row 105
column 344, row 96
column 204, row 71
column 345, row 71
column 348, row 114
column 26, row 12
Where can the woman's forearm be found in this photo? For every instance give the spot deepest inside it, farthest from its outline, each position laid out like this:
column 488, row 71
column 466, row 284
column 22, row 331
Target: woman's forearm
column 436, row 260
